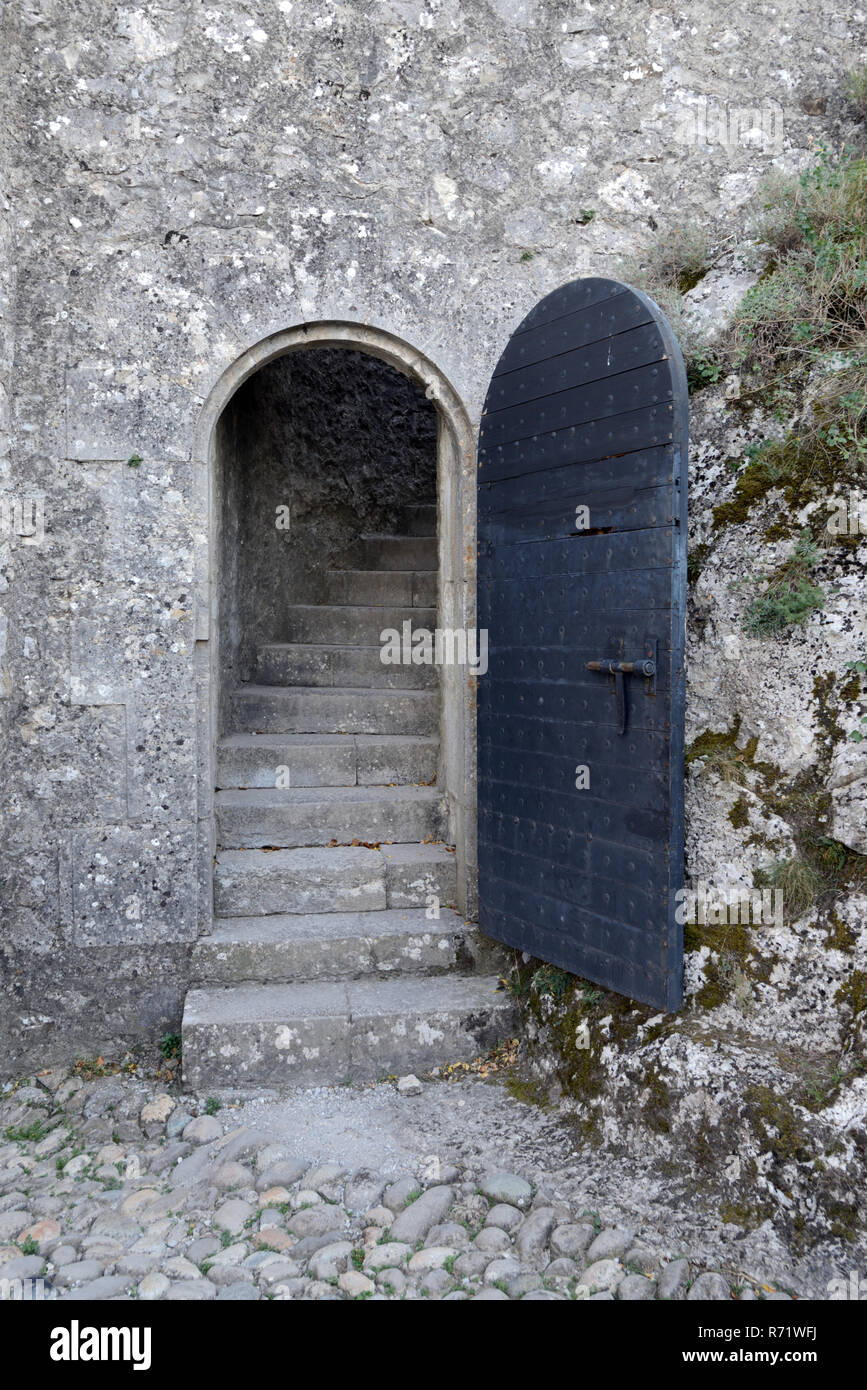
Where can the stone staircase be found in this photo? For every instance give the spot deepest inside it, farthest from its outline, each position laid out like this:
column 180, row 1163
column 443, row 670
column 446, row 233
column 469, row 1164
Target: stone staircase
column 323, row 964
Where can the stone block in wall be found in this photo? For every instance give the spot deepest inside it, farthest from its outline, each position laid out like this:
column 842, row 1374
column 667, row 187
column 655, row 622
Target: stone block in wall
column 207, row 848
column 96, row 665
column 28, row 893
column 847, row 781
column 161, row 748
column 85, row 518
column 73, row 770
column 73, row 1003
column 5, row 676
column 116, row 412
column 129, row 884
column 132, row 622
column 144, row 661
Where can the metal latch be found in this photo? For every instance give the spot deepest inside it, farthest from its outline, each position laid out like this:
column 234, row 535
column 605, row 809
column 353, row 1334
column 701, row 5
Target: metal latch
column 618, row 669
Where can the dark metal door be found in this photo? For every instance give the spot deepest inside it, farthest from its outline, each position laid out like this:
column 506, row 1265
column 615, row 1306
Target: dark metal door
column 582, row 588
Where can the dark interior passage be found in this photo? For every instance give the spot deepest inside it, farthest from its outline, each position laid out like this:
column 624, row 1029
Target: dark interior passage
column 342, row 440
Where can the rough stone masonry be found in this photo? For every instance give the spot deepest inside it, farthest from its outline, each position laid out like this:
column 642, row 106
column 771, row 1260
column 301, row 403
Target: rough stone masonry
column 181, row 181
column 183, row 184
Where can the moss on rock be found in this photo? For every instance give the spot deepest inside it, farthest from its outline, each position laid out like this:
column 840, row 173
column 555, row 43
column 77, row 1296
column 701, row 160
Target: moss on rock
column 777, row 1124
column 853, row 992
column 739, row 814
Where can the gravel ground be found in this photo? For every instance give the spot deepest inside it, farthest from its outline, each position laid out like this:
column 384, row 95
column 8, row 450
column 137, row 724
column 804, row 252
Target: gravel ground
column 118, row 1187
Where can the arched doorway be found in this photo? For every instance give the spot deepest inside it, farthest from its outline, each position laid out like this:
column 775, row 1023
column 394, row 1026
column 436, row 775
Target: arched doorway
column 337, row 791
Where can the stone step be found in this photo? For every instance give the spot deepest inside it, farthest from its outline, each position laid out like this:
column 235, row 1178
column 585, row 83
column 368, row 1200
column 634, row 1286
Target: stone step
column 381, row 588
column 417, row 875
column 382, row 552
column 255, row 882
column 353, row 625
column 418, row 519
column 327, row 1032
column 385, row 759
column 258, row 882
column 297, row 816
column 267, row 709
column 425, row 589
column 325, row 760
column 325, row 667
column 292, row 948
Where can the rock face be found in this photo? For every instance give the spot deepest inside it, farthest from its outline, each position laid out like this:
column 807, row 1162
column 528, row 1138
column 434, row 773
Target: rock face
column 221, row 177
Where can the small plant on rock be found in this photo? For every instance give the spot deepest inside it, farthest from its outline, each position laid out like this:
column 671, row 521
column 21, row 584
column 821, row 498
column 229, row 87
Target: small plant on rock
column 549, row 980
column 27, row 1134
column 858, row 669
column 675, row 262
column 677, row 259
column 790, row 596
column 704, row 367
column 799, row 883
column 856, row 91
column 813, row 298
column 170, row 1046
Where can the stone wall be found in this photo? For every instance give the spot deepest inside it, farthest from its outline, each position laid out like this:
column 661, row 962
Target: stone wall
column 187, row 180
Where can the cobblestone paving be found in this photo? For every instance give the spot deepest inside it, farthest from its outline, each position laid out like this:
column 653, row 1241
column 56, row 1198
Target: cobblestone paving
column 113, row 1188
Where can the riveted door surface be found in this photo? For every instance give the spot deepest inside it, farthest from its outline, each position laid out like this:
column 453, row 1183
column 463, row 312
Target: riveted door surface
column 582, row 585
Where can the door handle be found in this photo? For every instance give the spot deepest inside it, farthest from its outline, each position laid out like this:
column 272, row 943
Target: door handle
column 619, row 669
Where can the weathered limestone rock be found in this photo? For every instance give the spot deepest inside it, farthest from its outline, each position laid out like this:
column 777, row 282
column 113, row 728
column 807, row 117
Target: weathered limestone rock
column 674, row 1280
column 609, row 1245
column 635, row 1288
column 709, row 1287
column 414, row 1222
column 602, row 1276
column 504, row 1216
column 508, row 1188
column 233, row 1215
column 571, row 1240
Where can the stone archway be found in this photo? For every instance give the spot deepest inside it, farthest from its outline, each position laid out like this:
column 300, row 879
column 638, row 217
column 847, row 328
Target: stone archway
column 455, row 466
